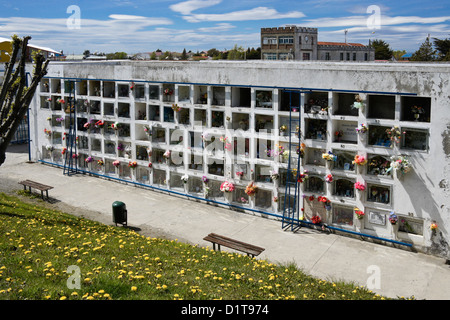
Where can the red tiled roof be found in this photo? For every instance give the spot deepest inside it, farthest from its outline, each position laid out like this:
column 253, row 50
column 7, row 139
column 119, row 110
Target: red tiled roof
column 340, row 44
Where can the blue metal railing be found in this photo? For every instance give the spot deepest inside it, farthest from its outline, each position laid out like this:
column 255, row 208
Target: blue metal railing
column 303, row 222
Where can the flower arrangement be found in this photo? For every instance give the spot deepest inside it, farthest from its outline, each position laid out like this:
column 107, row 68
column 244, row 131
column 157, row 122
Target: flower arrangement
column 64, row 150
column 433, row 226
column 115, row 126
column 239, row 174
column 400, row 163
column 89, row 159
column 283, row 128
column 147, row 130
column 362, row 128
column 302, row 176
column 150, row 165
column 360, row 186
column 47, row 132
column 120, row 147
column 329, row 178
column 316, row 220
column 338, row 133
column 275, row 199
column 99, row 124
column 132, row 164
column 168, row 92
column 176, row 107
column 358, row 102
column 417, row 110
column 394, row 134
column 59, row 119
column 329, row 156
column 75, row 156
column 205, row 179
column 185, row 178
column 393, row 219
column 251, row 189
column 116, row 163
column 87, row 125
column 61, row 101
column 132, row 86
column 360, row 160
column 100, row 162
column 227, row 187
column 274, row 175
column 301, row 150
column 359, row 213
column 166, row 154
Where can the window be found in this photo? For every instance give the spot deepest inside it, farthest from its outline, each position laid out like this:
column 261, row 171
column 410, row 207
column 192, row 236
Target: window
column 270, row 56
column 315, row 184
column 344, row 188
column 343, row 215
column 354, row 56
column 378, row 165
column 269, row 40
column 366, row 57
column 348, row 56
column 377, row 193
column 410, row 225
column 306, row 56
column 416, row 139
column 381, row 107
column 416, row 109
column 327, row 56
column 341, row 56
column 286, row 40
column 378, row 136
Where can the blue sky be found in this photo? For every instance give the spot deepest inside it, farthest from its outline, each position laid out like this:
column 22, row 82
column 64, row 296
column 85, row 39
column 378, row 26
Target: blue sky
column 146, row 25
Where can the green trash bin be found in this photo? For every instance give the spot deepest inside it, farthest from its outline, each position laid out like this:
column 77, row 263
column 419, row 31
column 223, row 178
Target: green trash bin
column 119, row 213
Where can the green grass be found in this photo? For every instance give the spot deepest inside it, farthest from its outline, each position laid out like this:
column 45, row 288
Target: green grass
column 37, row 246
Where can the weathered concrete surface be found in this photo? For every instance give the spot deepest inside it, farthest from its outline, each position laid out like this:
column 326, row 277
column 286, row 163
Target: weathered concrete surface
column 328, row 256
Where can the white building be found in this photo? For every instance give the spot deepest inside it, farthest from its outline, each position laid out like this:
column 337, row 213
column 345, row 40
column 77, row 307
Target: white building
column 243, row 105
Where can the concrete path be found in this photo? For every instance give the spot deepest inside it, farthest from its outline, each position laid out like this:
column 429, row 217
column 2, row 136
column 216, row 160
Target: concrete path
column 386, row 270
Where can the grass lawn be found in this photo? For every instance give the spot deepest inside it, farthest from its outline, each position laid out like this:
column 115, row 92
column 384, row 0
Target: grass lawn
column 51, row 255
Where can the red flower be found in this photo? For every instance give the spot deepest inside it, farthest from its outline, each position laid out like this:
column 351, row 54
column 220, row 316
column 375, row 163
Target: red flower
column 311, row 198
column 316, row 220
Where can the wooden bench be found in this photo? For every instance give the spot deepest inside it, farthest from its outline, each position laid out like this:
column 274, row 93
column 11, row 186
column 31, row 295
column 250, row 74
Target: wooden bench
column 36, row 185
column 249, row 249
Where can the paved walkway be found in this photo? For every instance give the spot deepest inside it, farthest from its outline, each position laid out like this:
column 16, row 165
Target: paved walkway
column 386, row 270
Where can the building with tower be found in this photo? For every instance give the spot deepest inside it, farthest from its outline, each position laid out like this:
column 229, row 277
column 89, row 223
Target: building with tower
column 301, row 44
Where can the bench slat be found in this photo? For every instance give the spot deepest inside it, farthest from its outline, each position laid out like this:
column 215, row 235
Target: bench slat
column 233, row 244
column 247, row 245
column 36, row 185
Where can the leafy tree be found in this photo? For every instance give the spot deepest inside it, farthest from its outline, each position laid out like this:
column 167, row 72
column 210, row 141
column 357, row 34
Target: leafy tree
column 15, row 94
column 443, row 48
column 237, row 53
column 382, row 50
column 254, row 54
column 153, row 56
column 184, row 55
column 117, row 56
column 213, row 53
column 425, row 52
column 398, row 54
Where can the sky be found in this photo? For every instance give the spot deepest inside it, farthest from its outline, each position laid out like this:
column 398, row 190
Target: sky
column 135, row 26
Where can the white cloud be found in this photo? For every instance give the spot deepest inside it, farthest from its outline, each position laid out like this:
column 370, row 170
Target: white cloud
column 259, row 13
column 187, row 7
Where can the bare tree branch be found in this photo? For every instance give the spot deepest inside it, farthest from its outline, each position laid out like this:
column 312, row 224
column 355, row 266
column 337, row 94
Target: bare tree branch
column 15, row 95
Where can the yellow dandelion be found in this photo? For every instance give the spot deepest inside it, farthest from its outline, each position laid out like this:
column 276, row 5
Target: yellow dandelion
column 133, row 288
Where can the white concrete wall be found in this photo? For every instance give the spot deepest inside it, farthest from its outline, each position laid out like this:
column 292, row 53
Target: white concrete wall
column 422, row 194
